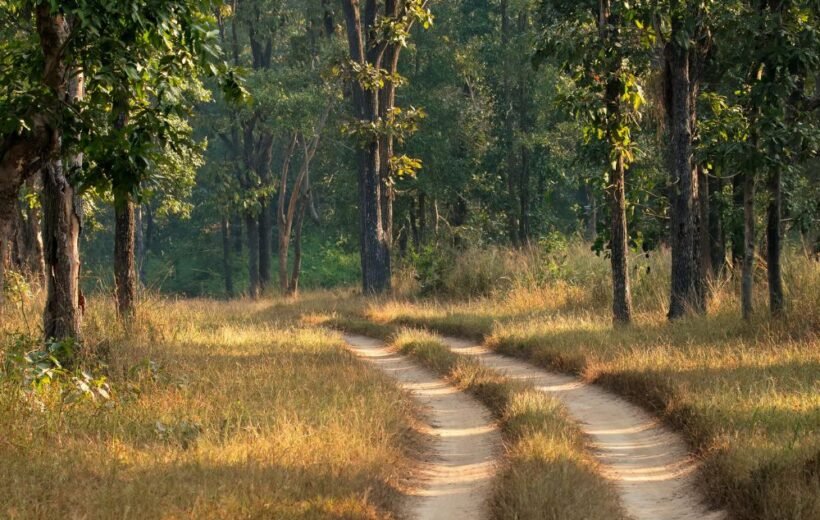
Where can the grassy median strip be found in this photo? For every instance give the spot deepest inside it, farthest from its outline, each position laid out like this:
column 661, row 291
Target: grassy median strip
column 548, row 472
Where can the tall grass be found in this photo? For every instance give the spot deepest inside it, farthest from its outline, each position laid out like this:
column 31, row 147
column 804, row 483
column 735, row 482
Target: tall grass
column 218, row 410
column 746, row 394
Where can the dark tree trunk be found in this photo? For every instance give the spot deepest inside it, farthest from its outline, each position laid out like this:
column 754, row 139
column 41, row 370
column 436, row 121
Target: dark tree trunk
column 5, row 249
column 125, row 273
column 375, row 247
column 717, row 238
column 236, row 235
column 62, row 316
column 747, row 281
column 227, row 263
column 252, row 234
column 774, row 244
column 683, row 183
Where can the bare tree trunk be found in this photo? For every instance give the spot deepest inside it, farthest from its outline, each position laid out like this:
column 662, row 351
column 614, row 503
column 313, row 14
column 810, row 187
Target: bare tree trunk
column 226, row 257
column 747, row 281
column 774, row 244
column 293, row 286
column 684, row 269
column 616, row 191
column 717, row 237
column 125, row 273
column 375, row 251
column 702, row 256
column 139, row 246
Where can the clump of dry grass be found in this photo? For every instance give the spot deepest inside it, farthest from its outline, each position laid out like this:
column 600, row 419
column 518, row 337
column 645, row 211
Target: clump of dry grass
column 547, row 473
column 220, row 410
column 747, row 395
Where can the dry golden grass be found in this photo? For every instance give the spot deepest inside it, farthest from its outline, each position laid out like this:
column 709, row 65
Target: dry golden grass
column 548, row 473
column 747, row 395
column 242, row 412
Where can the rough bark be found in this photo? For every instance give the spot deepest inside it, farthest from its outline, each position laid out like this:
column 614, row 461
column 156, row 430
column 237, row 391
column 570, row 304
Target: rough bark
column 375, row 249
column 125, row 272
column 747, row 279
column 684, row 268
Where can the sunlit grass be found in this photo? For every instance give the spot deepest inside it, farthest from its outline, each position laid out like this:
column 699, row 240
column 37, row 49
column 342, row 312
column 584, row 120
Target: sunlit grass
column 220, row 410
column 747, row 395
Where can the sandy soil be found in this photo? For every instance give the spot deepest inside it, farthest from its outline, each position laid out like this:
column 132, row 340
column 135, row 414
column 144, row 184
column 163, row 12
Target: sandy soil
column 650, row 464
column 456, row 483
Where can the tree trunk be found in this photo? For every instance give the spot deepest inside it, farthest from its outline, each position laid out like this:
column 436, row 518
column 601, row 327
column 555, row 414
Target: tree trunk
column 293, row 286
column 717, row 238
column 375, row 250
column 252, row 233
column 125, row 273
column 747, row 281
column 227, row 270
column 61, row 234
column 684, row 269
column 737, row 232
column 139, row 246
column 774, row 243
column 524, row 230
column 4, row 254
column 702, row 256
column 265, row 247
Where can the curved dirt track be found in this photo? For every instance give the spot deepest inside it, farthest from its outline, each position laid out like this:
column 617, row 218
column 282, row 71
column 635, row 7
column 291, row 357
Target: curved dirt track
column 456, row 483
column 650, row 465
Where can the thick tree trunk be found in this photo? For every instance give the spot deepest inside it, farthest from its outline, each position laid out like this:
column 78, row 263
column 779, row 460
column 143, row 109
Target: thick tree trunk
column 747, row 280
column 252, row 234
column 774, row 243
column 375, row 249
column 684, row 268
column 61, row 234
column 125, row 272
column 227, row 271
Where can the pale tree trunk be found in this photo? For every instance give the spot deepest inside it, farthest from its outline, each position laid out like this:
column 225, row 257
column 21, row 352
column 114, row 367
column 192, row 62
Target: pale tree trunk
column 125, row 273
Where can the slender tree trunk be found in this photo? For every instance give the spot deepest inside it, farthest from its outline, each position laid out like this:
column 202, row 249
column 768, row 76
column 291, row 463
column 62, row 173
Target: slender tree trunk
column 717, row 237
column 125, row 273
column 774, row 244
column 252, row 233
column 265, row 247
column 227, row 270
column 702, row 256
column 524, row 230
column 293, row 286
column 30, row 237
column 139, row 246
column 747, row 280
column 684, row 269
